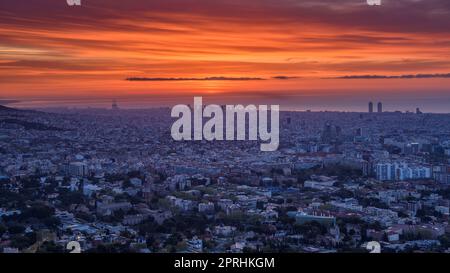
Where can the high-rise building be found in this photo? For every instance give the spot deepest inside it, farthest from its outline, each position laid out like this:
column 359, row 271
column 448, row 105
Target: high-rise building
column 287, row 121
column 411, row 148
column 380, row 107
column 327, row 133
column 114, row 105
column 400, row 171
column 370, row 107
column 77, row 169
column 442, row 174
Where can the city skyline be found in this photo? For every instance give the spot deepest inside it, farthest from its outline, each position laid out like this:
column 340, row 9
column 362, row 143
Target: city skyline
column 249, row 127
column 317, row 55
column 114, row 104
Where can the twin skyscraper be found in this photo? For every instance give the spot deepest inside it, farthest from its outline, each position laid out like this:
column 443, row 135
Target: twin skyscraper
column 379, row 107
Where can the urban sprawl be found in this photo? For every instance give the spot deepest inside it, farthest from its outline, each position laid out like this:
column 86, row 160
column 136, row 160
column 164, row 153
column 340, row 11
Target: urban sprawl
column 114, row 180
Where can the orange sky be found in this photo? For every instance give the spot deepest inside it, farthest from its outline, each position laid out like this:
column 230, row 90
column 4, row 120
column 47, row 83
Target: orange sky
column 51, row 50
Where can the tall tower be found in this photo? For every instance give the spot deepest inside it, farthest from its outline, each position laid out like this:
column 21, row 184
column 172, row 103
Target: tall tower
column 380, row 107
column 327, row 133
column 114, row 105
column 370, row 107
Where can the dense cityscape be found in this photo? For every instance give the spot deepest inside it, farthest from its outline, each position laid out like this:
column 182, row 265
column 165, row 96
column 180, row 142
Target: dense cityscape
column 113, row 180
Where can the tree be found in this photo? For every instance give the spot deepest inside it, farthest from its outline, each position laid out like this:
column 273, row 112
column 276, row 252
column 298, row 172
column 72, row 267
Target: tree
column 445, row 241
column 311, row 229
column 50, row 247
column 52, row 222
column 38, row 211
column 2, row 230
column 23, row 241
column 16, row 228
column 69, row 198
column 118, row 215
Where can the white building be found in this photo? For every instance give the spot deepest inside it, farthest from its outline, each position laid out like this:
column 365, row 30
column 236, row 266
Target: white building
column 401, row 171
column 89, row 189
